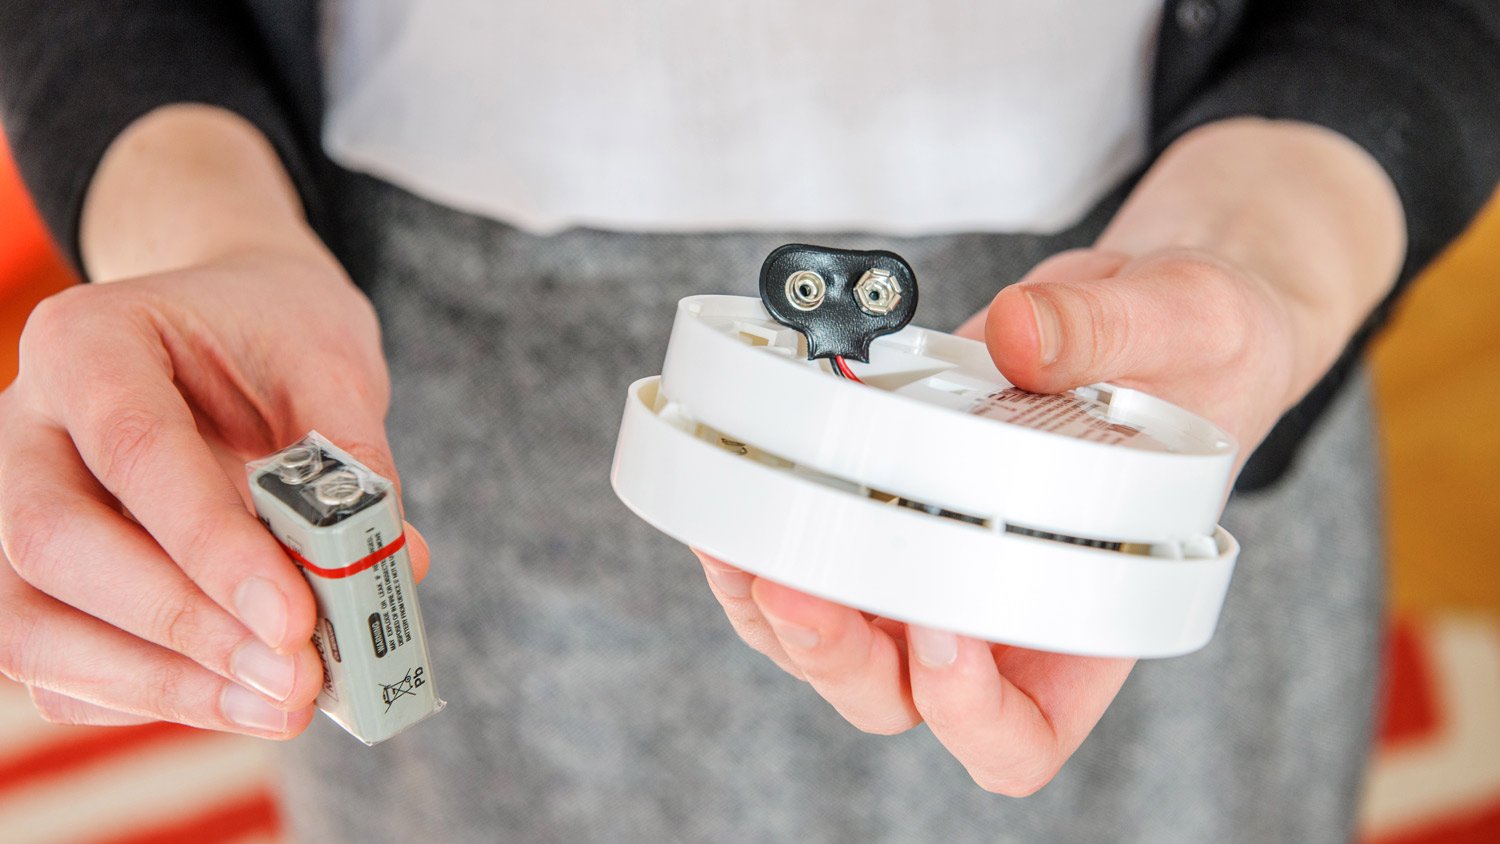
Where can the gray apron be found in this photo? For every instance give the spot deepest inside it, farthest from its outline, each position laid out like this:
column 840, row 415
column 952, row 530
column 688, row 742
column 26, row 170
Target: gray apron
column 597, row 693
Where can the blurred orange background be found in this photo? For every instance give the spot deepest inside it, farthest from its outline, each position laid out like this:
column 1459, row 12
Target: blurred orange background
column 1435, row 778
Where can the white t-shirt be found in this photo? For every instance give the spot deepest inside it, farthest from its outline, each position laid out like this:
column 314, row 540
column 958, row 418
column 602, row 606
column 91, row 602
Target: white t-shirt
column 696, row 115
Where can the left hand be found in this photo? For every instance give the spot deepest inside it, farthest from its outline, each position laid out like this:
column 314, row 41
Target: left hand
column 1226, row 285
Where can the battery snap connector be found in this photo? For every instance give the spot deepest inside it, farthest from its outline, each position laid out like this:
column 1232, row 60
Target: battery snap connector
column 839, row 299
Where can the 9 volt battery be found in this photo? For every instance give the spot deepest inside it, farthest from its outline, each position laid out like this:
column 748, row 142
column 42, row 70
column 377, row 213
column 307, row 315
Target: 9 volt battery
column 340, row 522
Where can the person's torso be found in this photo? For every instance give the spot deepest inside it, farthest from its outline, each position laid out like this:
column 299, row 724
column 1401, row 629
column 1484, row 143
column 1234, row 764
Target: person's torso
column 652, row 116
column 596, row 691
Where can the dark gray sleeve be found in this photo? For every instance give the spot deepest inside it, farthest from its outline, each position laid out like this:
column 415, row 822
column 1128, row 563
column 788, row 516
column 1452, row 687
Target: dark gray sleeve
column 1414, row 82
column 74, row 74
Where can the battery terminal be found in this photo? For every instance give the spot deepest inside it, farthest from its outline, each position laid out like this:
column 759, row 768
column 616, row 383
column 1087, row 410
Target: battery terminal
column 341, row 488
column 806, row 290
column 877, row 292
column 299, row 464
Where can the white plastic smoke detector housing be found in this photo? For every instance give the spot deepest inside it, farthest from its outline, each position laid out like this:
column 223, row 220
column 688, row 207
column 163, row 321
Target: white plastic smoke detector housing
column 935, row 492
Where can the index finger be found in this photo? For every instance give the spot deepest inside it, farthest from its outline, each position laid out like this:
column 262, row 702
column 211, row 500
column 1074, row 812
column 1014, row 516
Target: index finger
column 136, row 433
column 1011, row 716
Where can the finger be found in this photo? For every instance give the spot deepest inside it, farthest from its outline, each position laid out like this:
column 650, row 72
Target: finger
column 1075, row 263
column 732, row 587
column 49, row 645
column 852, row 661
column 418, row 550
column 1086, row 317
column 137, row 435
column 61, row 534
column 61, row 709
column 1010, row 716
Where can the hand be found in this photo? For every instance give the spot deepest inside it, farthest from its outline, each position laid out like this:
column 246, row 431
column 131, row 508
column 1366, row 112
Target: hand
column 139, row 585
column 1184, row 325
column 1226, row 285
column 1187, row 327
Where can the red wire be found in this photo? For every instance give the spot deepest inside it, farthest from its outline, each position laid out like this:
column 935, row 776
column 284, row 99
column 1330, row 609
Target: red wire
column 838, row 360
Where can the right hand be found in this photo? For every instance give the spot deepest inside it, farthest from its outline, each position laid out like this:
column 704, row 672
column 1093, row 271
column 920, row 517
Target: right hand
column 140, row 586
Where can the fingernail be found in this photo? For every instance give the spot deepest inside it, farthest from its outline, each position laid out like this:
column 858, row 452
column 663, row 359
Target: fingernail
column 934, row 648
column 1048, row 329
column 262, row 608
column 793, row 634
column 732, row 582
column 250, row 710
column 264, row 670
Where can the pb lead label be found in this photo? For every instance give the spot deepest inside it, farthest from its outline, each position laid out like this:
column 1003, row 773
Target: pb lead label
column 340, row 523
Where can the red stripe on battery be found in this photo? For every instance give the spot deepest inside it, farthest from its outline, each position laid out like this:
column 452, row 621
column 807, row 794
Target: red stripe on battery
column 353, row 568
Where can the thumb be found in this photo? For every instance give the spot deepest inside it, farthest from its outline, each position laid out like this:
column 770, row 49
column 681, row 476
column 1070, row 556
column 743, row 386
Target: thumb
column 1088, row 316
